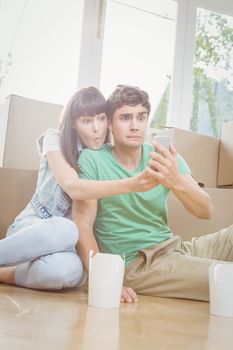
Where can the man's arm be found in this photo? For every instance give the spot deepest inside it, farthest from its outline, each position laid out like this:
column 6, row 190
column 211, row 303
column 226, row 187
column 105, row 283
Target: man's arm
column 194, row 199
column 84, row 214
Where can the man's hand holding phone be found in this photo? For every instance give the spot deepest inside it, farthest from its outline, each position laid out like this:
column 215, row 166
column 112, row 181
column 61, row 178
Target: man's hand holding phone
column 165, row 141
column 164, row 162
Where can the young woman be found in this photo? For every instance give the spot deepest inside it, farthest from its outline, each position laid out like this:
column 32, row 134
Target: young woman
column 39, row 249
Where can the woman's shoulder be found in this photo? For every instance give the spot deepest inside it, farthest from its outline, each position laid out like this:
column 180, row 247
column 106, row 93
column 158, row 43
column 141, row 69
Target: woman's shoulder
column 49, row 140
column 50, row 132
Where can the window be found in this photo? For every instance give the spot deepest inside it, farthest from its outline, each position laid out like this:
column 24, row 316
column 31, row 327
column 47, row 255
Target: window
column 138, row 49
column 212, row 72
column 39, row 48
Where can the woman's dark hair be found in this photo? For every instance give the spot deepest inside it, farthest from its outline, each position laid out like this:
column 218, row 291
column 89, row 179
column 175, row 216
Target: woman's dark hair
column 85, row 102
column 129, row 96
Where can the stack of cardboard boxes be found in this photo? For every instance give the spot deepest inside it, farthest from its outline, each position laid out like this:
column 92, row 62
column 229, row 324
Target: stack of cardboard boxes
column 211, row 163
column 22, row 120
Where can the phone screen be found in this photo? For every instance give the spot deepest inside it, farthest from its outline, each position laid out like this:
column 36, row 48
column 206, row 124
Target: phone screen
column 165, row 141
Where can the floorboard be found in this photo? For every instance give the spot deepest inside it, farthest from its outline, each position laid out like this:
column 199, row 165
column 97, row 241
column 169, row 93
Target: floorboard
column 62, row 321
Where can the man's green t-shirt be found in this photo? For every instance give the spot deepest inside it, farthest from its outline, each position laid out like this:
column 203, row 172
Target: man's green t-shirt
column 129, row 222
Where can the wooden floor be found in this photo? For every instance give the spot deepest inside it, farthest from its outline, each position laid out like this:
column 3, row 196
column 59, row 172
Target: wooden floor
column 63, row 321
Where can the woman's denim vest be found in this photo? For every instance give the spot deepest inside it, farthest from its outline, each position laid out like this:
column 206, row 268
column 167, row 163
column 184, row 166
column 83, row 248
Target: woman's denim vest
column 49, row 199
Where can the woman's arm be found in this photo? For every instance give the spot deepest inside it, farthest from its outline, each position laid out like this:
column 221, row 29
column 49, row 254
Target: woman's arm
column 83, row 189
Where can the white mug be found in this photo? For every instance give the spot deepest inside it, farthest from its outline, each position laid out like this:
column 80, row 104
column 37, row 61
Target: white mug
column 106, row 273
column 221, row 289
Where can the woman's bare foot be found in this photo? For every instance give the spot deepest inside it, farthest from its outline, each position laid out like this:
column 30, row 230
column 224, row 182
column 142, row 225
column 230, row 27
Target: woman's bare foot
column 7, row 275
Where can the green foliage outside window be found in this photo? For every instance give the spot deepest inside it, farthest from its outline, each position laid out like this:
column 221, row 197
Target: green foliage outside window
column 213, row 76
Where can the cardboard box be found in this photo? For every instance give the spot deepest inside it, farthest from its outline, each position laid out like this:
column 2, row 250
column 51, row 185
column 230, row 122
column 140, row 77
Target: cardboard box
column 225, row 166
column 22, row 121
column 16, row 189
column 199, row 151
column 17, row 186
column 187, row 226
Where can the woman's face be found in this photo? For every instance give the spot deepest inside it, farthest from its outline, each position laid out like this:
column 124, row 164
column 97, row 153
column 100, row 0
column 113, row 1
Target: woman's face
column 92, row 130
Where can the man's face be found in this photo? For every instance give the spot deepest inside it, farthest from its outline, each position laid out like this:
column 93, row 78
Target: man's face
column 129, row 125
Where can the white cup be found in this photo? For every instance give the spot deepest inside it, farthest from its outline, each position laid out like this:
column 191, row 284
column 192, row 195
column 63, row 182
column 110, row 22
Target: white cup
column 221, row 289
column 106, row 273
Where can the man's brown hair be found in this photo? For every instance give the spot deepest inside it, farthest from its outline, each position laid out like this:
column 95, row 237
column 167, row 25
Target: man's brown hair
column 129, row 96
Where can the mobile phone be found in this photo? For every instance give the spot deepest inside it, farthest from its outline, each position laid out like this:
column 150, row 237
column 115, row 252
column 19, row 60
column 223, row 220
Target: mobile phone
column 165, row 141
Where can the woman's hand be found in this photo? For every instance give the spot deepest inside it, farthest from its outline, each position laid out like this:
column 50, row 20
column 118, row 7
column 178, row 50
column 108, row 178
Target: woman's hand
column 144, row 181
column 128, row 295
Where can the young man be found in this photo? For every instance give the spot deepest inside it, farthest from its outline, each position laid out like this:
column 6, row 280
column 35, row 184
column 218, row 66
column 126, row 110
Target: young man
column 135, row 224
